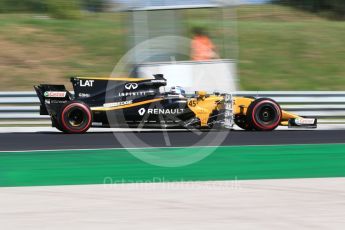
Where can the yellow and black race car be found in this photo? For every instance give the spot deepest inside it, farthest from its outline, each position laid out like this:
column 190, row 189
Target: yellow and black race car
column 142, row 102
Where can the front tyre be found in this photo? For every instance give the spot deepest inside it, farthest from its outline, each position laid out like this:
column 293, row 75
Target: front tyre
column 75, row 118
column 264, row 114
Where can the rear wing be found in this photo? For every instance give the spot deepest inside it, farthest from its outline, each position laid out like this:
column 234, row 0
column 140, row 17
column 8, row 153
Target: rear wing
column 51, row 96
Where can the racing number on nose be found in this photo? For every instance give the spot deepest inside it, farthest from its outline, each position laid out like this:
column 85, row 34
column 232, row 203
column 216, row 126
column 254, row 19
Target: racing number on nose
column 192, row 103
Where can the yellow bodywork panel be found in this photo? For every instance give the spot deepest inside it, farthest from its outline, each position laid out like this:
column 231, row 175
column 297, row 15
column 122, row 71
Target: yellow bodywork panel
column 129, row 79
column 241, row 104
column 203, row 106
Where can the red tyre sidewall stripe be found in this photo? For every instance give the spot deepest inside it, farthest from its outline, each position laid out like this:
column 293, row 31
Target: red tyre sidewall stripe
column 80, row 106
column 266, row 127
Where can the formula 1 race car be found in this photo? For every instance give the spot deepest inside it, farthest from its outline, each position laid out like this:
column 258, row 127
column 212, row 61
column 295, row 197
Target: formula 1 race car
column 142, row 102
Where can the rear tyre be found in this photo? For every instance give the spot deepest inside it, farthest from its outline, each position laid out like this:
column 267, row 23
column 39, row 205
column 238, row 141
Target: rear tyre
column 264, row 114
column 56, row 124
column 75, row 118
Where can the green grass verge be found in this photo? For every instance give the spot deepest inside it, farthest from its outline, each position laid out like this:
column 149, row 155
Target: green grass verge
column 281, row 48
column 292, row 56
column 75, row 167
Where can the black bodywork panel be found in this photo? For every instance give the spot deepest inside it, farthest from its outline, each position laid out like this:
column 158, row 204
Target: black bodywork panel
column 119, row 102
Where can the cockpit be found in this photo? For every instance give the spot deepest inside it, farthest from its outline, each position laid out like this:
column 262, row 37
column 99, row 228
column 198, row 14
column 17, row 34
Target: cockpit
column 177, row 91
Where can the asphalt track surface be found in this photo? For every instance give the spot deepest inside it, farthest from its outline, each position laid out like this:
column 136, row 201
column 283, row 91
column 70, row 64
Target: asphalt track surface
column 56, row 140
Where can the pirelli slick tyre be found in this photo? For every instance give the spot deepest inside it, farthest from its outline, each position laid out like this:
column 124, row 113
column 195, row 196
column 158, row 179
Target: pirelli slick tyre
column 264, row 114
column 75, row 118
column 56, row 124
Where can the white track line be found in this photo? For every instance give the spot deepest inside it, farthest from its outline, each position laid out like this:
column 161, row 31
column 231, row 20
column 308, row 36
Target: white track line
column 253, row 204
column 164, row 147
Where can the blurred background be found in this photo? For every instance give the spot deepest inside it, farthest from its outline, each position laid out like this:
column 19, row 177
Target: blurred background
column 277, row 45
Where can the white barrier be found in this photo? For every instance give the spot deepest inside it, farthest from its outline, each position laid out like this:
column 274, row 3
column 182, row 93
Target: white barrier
column 219, row 75
column 329, row 107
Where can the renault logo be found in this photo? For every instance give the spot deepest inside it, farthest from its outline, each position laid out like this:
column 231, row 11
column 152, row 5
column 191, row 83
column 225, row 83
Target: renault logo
column 130, row 86
column 141, row 111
